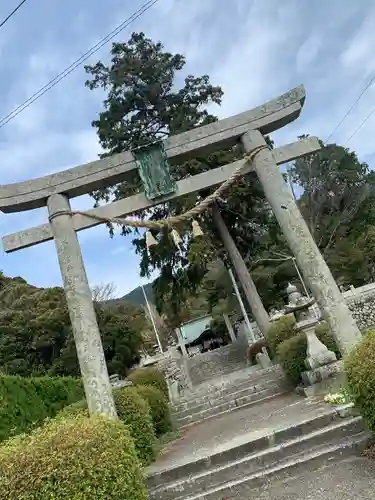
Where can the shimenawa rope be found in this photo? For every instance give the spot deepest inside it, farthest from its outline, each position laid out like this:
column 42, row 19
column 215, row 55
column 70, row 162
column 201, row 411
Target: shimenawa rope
column 190, row 214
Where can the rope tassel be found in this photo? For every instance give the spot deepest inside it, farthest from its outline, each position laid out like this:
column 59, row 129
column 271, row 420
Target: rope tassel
column 150, row 240
column 177, row 240
column 197, row 230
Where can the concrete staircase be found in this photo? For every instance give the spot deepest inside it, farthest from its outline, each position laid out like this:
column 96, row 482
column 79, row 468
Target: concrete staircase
column 244, row 388
column 241, row 467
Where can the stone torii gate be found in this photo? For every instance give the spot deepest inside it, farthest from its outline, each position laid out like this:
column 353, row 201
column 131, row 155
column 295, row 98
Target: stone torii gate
column 248, row 128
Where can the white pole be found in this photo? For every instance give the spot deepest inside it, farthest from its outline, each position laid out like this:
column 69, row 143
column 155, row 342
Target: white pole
column 301, row 278
column 152, row 319
column 289, row 257
column 240, row 301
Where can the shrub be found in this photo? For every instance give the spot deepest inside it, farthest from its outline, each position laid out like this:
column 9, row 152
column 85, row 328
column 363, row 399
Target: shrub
column 58, row 392
column 255, row 349
column 26, row 402
column 360, row 373
column 135, row 412
column 141, row 409
column 292, row 353
column 150, row 376
column 282, row 329
column 75, row 408
column 73, row 458
column 159, row 408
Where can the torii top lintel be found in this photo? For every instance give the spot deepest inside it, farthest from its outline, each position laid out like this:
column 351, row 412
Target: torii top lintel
column 86, row 178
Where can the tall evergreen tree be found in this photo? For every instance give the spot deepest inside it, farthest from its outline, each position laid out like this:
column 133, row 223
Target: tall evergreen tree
column 148, row 99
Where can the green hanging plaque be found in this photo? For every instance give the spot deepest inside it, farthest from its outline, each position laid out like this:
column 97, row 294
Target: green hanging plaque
column 153, row 168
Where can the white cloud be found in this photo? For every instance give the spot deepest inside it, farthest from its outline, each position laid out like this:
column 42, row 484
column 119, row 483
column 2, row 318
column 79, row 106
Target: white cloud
column 308, row 52
column 359, row 49
column 255, row 50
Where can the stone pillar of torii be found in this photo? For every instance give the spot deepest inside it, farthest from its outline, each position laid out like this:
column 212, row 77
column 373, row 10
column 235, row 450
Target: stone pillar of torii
column 248, row 128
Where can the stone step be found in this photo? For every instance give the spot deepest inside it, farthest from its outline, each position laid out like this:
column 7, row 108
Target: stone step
column 250, row 463
column 240, row 489
column 246, row 445
column 225, row 369
column 236, row 392
column 221, row 387
column 231, row 405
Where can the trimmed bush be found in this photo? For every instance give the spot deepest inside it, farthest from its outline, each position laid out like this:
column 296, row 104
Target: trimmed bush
column 360, row 374
column 255, row 349
column 57, row 392
column 159, row 408
column 75, row 458
column 150, row 376
column 26, row 402
column 134, row 409
column 135, row 412
column 292, row 352
column 282, row 329
column 77, row 407
column 292, row 355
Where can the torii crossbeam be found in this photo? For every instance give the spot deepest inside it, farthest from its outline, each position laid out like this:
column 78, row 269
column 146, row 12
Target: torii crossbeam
column 248, row 128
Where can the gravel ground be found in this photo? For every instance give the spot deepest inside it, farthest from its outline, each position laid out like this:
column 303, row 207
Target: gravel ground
column 352, row 479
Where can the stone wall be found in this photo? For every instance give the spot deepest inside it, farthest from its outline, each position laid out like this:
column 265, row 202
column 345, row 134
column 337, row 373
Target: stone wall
column 361, row 302
column 222, row 361
column 204, row 367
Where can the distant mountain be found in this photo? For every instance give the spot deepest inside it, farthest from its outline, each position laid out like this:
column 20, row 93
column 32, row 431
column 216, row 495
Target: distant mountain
column 136, row 296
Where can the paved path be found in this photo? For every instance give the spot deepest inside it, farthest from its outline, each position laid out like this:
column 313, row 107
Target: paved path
column 243, row 425
column 352, row 479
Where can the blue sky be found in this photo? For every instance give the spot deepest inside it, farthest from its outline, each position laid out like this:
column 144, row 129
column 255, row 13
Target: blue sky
column 254, row 49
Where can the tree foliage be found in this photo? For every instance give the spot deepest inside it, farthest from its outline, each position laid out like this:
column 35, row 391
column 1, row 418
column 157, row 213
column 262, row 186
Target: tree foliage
column 36, row 336
column 335, row 184
column 148, row 99
column 337, row 202
column 335, row 193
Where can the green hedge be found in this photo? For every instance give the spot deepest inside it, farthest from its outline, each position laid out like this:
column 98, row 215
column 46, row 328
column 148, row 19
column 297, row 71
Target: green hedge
column 150, row 376
column 282, row 329
column 135, row 412
column 72, row 458
column 75, row 408
column 26, row 402
column 292, row 352
column 360, row 374
column 159, row 407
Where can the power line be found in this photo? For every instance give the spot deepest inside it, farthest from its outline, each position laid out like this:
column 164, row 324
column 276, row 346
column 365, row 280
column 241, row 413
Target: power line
column 351, row 108
column 372, row 79
column 361, row 125
column 12, row 13
column 364, row 120
column 146, row 6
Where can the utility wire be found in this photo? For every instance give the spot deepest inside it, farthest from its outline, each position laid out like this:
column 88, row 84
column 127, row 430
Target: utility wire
column 146, row 6
column 362, row 122
column 12, row 13
column 368, row 85
column 351, row 109
column 361, row 125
